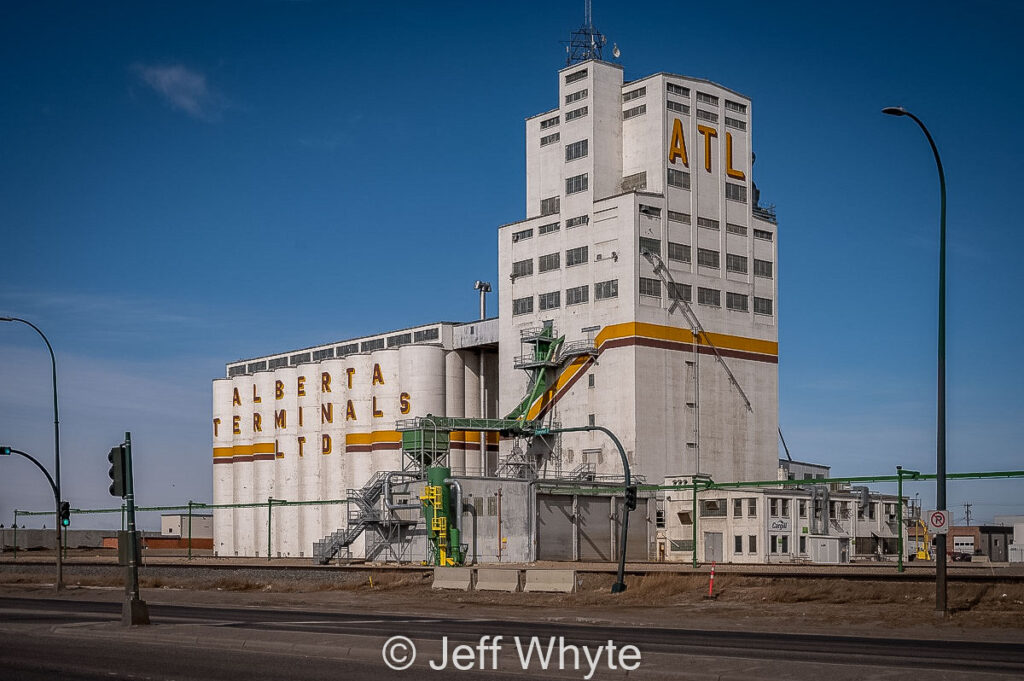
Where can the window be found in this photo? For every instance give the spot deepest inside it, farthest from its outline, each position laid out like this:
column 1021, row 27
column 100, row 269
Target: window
column 649, row 244
column 549, row 139
column 522, row 235
column 735, row 123
column 709, row 296
column 680, row 292
column 635, row 182
column 576, row 150
column 762, row 305
column 752, row 543
column 650, row 287
column 323, row 354
column 701, row 114
column 762, row 234
column 546, row 263
column 399, row 340
column 735, row 192
column 634, row 94
column 705, row 98
column 426, row 335
column 576, row 184
column 522, row 305
column 802, row 507
column 577, row 295
column 606, row 289
column 592, row 420
column 707, row 223
column 375, row 344
column 677, row 178
column 676, row 216
column 678, row 252
column 591, row 381
column 763, row 268
column 735, row 263
column 548, row 228
column 343, row 350
column 575, row 256
column 522, row 268
column 678, row 106
column 737, row 544
column 635, row 111
column 549, row 123
column 677, row 89
column 803, row 544
column 752, row 508
column 737, row 508
column 577, row 221
column 576, row 96
column 785, row 507
column 550, row 301
column 713, row 508
column 735, row 229
column 784, row 543
column 708, row 258
column 550, row 205
column 575, row 113
column 735, row 106
column 575, row 76
column 773, row 507
column 650, row 211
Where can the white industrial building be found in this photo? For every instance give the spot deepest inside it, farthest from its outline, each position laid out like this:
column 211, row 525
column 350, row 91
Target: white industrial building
column 645, row 254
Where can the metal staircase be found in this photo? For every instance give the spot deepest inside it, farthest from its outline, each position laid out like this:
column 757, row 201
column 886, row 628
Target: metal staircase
column 364, row 513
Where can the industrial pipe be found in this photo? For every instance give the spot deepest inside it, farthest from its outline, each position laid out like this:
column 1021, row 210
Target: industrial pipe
column 387, row 491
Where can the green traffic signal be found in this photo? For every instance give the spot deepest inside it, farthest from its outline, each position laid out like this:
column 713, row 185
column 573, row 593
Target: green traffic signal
column 5, row 451
column 65, row 514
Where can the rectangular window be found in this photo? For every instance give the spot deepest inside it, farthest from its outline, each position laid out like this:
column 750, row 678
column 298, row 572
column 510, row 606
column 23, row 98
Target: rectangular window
column 590, row 380
column 773, row 508
column 735, row 192
column 763, row 268
column 706, row 116
column 576, row 150
column 676, row 216
column 548, row 228
column 577, row 295
column 803, row 544
column 522, row 235
column 606, row 289
column 575, row 113
column 677, row 89
column 762, row 305
column 735, row 123
column 708, row 258
column 549, row 123
column 785, row 508
column 752, row 543
column 678, row 106
column 522, row 268
column 576, row 256
column 735, row 106
column 708, row 223
column 550, row 301
column 678, row 252
column 784, row 543
column 677, row 178
column 649, row 244
column 762, row 234
column 736, row 301
column 635, row 182
column 550, row 139
column 735, row 229
column 680, row 292
column 635, row 111
column 546, row 263
column 375, row 344
column 705, row 98
column 426, row 335
column 737, row 544
column 634, row 94
column 735, row 263
column 752, row 508
column 577, row 221
column 343, row 350
column 737, row 508
column 775, row 543
column 577, row 183
column 650, row 211
column 650, row 287
column 575, row 76
column 399, row 340
column 802, row 507
column 576, row 96
column 709, row 296
column 550, row 206
column 522, row 305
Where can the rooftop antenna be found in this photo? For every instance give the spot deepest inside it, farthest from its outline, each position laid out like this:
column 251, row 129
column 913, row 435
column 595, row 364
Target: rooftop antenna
column 585, row 43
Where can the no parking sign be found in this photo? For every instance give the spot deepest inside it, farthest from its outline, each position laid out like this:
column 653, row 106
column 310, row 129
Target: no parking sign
column 938, row 522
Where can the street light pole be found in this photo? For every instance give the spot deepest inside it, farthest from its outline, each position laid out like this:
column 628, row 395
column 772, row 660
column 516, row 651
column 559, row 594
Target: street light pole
column 56, row 440
column 940, row 442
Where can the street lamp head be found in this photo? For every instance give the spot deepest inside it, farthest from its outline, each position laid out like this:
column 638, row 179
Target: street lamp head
column 895, row 111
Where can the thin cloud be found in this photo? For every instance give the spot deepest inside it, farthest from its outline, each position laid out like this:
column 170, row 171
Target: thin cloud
column 184, row 89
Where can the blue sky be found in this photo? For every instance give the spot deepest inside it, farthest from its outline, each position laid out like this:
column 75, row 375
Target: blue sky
column 185, row 184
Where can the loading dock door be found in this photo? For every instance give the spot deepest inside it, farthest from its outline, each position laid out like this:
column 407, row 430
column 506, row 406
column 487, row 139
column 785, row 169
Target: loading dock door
column 712, row 547
column 555, row 527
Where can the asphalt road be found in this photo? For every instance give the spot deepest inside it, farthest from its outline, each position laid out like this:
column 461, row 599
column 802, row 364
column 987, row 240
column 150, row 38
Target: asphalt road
column 62, row 639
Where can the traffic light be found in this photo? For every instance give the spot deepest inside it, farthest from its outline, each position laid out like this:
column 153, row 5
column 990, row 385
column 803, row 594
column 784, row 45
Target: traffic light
column 631, row 498
column 65, row 514
column 118, row 485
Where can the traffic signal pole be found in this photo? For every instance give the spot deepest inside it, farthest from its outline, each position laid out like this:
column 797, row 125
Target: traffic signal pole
column 58, row 516
column 134, row 610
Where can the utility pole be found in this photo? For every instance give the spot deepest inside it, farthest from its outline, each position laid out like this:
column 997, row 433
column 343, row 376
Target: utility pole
column 967, row 513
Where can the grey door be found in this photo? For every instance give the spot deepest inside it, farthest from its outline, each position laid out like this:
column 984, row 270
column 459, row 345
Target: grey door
column 712, row 547
column 555, row 527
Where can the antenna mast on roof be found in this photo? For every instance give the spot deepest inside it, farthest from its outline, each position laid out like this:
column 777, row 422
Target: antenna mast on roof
column 585, row 42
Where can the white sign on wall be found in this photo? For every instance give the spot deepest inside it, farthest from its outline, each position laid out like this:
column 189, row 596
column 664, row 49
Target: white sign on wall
column 938, row 522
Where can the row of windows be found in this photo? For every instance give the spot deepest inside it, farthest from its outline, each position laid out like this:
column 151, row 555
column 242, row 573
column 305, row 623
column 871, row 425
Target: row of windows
column 634, row 94
column 735, row 123
column 735, row 106
column 707, row 223
column 550, row 139
column 575, row 76
column 575, row 113
column 677, row 89
column 577, row 150
column 736, row 229
column 550, row 228
column 678, row 106
column 705, row 98
column 635, row 111
column 549, row 123
column 573, row 296
column 707, row 116
column 551, row 261
column 676, row 216
column 576, row 96
column 751, row 543
column 762, row 234
column 707, row 296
